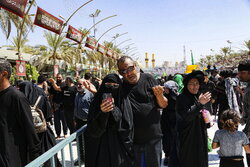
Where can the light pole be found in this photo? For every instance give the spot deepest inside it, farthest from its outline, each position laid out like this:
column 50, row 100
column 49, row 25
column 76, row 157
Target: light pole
column 133, row 54
column 230, row 43
column 94, row 15
column 107, row 32
column 117, row 36
column 64, row 25
column 124, row 42
column 131, row 51
column 19, row 36
column 127, row 46
column 96, row 24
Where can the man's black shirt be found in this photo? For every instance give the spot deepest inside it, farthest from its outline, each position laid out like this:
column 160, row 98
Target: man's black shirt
column 69, row 94
column 57, row 95
column 145, row 109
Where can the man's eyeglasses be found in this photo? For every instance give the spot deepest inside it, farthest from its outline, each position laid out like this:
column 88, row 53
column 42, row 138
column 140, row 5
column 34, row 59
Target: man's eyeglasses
column 111, row 85
column 129, row 69
column 79, row 84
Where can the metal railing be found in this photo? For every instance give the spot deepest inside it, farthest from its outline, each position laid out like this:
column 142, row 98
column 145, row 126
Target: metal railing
column 51, row 153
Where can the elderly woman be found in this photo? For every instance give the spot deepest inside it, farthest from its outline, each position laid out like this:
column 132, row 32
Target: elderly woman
column 191, row 128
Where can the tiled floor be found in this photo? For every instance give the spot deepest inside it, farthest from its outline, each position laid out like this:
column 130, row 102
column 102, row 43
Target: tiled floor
column 213, row 156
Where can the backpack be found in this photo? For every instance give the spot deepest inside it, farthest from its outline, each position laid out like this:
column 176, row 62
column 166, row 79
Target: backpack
column 40, row 123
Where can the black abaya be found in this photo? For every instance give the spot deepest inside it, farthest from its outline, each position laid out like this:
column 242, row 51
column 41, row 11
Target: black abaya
column 191, row 130
column 19, row 143
column 47, row 138
column 191, row 133
column 109, row 135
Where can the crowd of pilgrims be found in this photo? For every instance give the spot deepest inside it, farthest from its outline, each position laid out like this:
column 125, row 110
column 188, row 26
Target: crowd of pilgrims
column 71, row 103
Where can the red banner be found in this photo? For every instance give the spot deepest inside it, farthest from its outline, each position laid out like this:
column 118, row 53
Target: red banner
column 74, row 34
column 91, row 43
column 109, row 53
column 48, row 21
column 56, row 70
column 20, row 68
column 101, row 49
column 14, row 6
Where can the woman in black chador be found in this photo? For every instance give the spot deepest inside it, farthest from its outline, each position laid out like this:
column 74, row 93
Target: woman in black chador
column 109, row 132
column 47, row 138
column 191, row 128
column 168, row 123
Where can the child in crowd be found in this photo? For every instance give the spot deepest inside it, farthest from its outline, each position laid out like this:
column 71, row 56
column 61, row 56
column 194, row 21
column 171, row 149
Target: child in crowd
column 231, row 141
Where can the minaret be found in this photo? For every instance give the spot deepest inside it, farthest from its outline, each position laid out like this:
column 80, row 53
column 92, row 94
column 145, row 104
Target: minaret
column 153, row 60
column 146, row 60
column 184, row 54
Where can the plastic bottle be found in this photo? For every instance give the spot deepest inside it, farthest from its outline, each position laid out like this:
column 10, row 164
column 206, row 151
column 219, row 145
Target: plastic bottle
column 206, row 116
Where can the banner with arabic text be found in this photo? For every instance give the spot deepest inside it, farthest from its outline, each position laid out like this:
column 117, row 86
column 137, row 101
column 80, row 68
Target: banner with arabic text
column 14, row 6
column 48, row 21
column 91, row 43
column 20, row 68
column 109, row 53
column 74, row 34
column 101, row 49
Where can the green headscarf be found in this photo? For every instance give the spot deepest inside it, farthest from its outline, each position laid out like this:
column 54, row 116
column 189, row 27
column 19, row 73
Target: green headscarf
column 179, row 80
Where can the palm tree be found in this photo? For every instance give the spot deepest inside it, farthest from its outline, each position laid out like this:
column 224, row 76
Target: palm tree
column 218, row 58
column 5, row 23
column 15, row 42
column 47, row 53
column 7, row 19
column 225, row 51
column 55, row 43
column 203, row 62
column 210, row 59
column 61, row 49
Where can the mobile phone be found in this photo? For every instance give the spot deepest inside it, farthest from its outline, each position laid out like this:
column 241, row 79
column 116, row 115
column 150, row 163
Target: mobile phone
column 107, row 97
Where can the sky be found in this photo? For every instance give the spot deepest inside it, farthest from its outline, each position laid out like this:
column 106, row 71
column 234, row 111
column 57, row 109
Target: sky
column 162, row 27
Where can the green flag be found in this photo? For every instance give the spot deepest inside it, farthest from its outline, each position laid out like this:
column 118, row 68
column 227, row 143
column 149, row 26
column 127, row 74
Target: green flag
column 192, row 57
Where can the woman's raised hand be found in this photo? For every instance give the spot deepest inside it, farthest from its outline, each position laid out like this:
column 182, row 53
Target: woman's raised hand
column 205, row 98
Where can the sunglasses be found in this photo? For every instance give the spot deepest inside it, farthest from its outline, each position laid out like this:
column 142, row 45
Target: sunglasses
column 111, row 85
column 129, row 69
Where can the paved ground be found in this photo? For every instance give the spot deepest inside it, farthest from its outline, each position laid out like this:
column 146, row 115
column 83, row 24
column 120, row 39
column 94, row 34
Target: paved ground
column 213, row 156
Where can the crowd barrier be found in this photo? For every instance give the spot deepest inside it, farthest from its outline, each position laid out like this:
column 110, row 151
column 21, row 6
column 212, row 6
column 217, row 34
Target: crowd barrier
column 50, row 154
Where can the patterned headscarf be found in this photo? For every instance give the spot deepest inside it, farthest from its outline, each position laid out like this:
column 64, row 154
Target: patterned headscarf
column 173, row 87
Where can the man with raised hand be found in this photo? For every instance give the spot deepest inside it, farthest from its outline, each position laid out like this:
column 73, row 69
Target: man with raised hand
column 146, row 98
